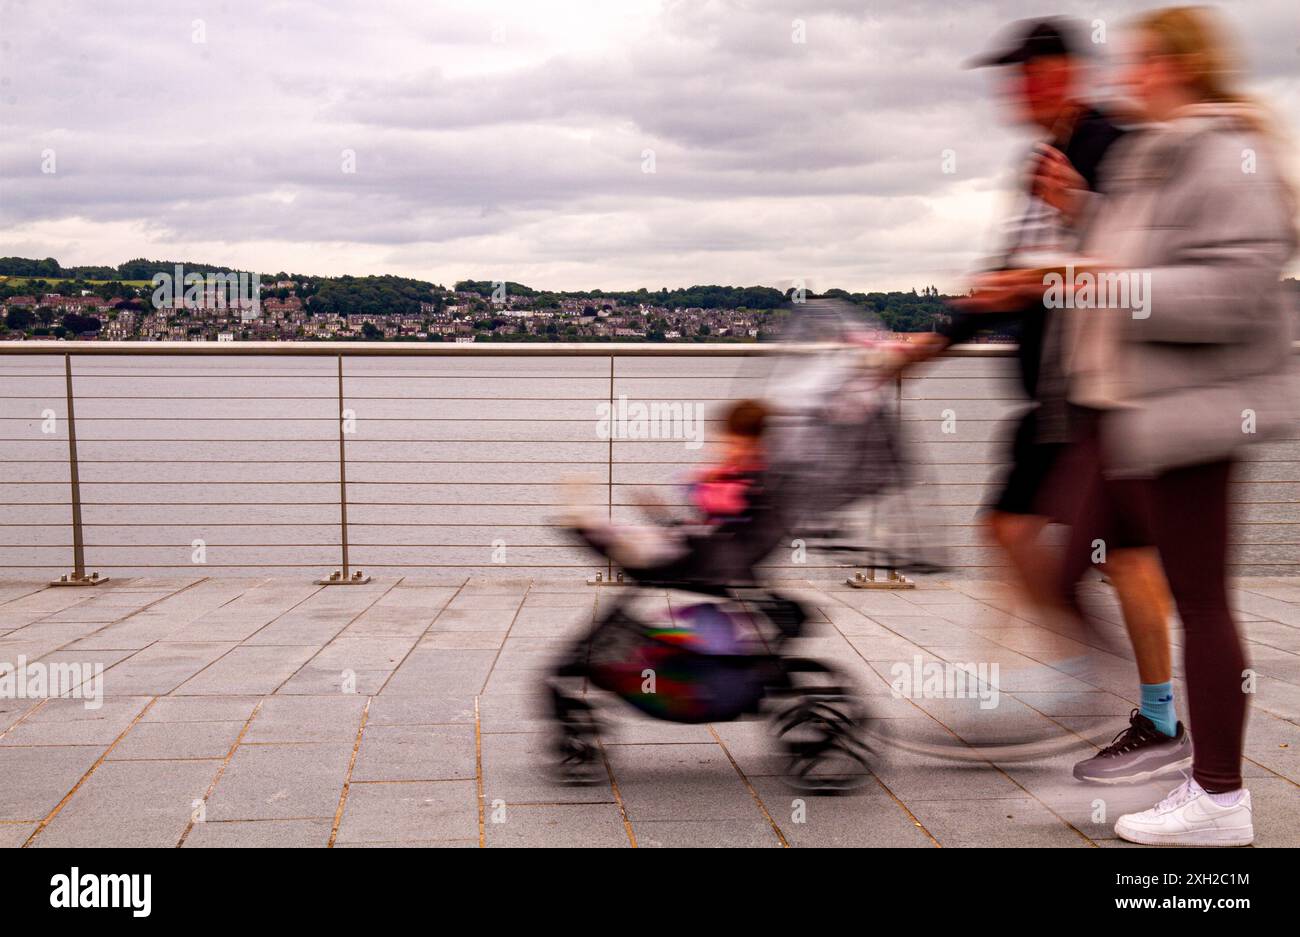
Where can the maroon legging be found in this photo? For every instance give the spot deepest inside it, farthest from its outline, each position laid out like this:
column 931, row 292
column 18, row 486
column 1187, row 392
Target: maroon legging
column 1184, row 514
column 1189, row 522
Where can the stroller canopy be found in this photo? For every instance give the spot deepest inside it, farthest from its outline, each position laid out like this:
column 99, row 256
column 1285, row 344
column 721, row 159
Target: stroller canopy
column 834, row 440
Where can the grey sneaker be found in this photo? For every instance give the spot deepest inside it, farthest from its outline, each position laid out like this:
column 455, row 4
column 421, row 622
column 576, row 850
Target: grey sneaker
column 1138, row 753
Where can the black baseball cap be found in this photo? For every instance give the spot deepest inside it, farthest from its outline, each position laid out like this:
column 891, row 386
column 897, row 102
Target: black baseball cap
column 1032, row 39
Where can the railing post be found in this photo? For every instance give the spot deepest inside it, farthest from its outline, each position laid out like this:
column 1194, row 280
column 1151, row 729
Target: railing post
column 893, row 578
column 78, row 575
column 607, row 578
column 344, row 576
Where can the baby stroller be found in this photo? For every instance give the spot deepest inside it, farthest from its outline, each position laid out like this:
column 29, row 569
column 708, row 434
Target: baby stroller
column 831, row 443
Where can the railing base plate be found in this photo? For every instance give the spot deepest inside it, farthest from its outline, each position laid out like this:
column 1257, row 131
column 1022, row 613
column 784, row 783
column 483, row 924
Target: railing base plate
column 600, row 580
column 894, row 581
column 93, row 579
column 338, row 579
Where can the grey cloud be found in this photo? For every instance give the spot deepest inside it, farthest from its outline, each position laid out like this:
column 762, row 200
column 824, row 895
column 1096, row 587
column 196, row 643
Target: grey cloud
column 771, row 156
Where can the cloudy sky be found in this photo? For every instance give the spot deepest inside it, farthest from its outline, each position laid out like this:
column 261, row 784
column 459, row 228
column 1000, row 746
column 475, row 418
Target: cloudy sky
column 511, row 140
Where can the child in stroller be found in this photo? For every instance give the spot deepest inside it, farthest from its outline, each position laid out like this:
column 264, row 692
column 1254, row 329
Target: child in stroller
column 735, row 526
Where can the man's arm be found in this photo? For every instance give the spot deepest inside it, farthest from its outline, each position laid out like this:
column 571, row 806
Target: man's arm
column 963, row 326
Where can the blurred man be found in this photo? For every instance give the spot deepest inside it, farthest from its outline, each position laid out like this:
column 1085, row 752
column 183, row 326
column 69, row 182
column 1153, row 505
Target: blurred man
column 1045, row 65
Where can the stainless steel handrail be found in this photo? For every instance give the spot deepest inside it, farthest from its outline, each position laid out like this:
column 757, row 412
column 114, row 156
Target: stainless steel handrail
column 442, row 349
column 341, row 350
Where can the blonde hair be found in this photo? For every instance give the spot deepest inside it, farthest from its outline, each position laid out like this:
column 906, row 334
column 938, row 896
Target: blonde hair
column 1198, row 38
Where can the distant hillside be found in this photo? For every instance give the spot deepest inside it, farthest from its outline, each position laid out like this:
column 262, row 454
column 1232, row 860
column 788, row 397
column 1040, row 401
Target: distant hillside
column 138, row 269
column 900, row 311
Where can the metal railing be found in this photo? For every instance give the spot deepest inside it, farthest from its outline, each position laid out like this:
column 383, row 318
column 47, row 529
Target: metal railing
column 525, row 407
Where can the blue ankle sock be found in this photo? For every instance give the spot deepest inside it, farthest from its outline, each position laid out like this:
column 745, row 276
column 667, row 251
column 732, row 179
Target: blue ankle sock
column 1158, row 706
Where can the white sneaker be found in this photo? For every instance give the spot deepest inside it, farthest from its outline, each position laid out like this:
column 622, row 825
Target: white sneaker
column 1190, row 817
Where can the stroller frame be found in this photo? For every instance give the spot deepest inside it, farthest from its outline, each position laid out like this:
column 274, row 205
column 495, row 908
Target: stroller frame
column 815, row 713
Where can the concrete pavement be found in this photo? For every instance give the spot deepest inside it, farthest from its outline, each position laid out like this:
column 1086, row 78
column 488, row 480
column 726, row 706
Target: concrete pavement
column 240, row 712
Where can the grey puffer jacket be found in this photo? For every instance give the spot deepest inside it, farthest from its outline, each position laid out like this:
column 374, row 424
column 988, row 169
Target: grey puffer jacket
column 1199, row 204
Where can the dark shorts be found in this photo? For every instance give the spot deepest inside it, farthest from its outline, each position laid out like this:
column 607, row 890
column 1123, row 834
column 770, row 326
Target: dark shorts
column 1117, row 511
column 1032, row 464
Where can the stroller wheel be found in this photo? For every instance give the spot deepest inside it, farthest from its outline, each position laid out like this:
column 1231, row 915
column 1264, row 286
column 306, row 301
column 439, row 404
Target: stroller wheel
column 574, row 747
column 823, row 757
column 819, row 732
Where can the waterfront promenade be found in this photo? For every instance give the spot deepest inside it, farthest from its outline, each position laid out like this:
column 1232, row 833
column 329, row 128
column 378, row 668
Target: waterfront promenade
column 272, row 711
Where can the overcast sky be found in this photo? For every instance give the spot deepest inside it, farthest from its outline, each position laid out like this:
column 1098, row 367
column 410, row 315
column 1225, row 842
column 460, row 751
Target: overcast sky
column 508, row 140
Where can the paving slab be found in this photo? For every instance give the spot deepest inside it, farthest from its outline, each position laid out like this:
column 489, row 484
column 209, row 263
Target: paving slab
column 320, row 617
column 151, row 741
column 485, row 600
column 307, row 719
column 1003, row 822
column 442, row 672
column 406, row 811
column 474, row 619
column 17, row 588
column 679, row 782
column 313, row 680
column 260, row 834
column 37, row 605
column 419, row 598
column 413, row 844
column 244, row 616
column 35, row 641
column 270, row 782
column 391, row 621
column 757, row 833
column 1276, row 805
column 248, row 670
column 416, row 753
column 514, row 712
column 34, row 780
column 13, row 835
column 397, row 709
column 201, row 709
column 515, row 771
column 379, row 653
column 72, row 722
column 131, row 804
column 913, row 777
column 868, row 818
column 169, row 615
column 162, row 667
column 12, row 710
column 555, row 826
column 464, row 640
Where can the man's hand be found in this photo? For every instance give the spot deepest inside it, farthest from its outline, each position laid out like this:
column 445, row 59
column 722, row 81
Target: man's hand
column 1002, row 291
column 922, row 346
column 1055, row 180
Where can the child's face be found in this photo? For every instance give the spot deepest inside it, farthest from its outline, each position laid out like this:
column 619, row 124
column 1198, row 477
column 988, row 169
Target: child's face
column 741, row 448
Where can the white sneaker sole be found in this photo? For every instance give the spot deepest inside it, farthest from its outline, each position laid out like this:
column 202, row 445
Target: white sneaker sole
column 1171, row 768
column 1242, row 837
